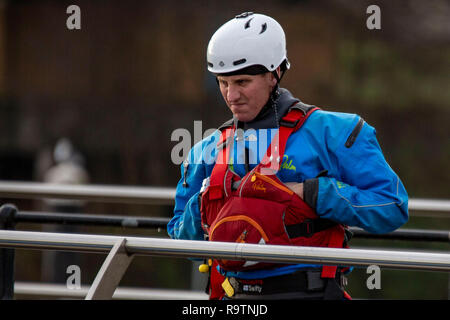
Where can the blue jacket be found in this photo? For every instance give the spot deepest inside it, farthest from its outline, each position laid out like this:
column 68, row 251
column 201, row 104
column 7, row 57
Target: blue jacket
column 359, row 188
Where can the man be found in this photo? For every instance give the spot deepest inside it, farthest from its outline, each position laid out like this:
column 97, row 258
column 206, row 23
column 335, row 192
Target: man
column 310, row 174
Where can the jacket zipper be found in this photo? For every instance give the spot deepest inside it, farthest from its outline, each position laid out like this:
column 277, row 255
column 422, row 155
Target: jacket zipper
column 352, row 137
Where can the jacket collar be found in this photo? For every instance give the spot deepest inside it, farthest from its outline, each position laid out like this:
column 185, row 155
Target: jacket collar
column 271, row 114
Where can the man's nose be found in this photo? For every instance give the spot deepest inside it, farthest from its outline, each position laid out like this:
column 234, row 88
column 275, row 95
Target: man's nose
column 233, row 94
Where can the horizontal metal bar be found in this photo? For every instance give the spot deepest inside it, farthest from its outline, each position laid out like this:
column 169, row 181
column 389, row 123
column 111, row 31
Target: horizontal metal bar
column 161, row 223
column 60, row 290
column 91, row 219
column 231, row 251
column 57, row 241
column 99, row 193
column 405, row 234
column 429, row 204
column 141, row 195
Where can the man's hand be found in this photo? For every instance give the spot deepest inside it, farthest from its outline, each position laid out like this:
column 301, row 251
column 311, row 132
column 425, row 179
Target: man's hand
column 296, row 187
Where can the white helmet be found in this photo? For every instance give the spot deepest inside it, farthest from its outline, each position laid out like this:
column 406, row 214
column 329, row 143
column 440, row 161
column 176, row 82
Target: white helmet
column 247, row 40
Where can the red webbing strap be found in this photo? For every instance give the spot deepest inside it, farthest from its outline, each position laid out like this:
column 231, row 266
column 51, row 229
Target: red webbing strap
column 328, row 271
column 296, row 114
column 272, row 158
column 220, row 168
column 336, row 241
column 215, row 285
column 296, row 117
column 275, row 152
column 336, row 238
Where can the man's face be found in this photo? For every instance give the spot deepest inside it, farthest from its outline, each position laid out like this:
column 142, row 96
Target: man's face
column 246, row 95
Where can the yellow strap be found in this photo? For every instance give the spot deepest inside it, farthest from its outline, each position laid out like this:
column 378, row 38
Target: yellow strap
column 228, row 288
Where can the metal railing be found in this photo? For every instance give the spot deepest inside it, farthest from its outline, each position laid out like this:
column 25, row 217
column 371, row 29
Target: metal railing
column 225, row 250
column 121, row 250
column 160, row 223
column 65, row 218
column 89, row 192
column 140, row 195
column 122, row 293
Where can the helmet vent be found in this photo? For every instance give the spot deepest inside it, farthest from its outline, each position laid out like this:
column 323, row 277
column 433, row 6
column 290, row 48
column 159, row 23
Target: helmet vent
column 263, row 28
column 238, row 62
column 247, row 24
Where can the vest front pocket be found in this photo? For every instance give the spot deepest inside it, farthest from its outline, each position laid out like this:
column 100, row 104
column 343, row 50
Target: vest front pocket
column 248, row 220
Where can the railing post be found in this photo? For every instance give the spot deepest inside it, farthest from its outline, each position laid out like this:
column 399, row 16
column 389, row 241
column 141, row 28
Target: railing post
column 7, row 222
column 111, row 272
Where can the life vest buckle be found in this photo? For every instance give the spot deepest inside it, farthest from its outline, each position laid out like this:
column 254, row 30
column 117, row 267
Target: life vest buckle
column 288, row 123
column 308, row 228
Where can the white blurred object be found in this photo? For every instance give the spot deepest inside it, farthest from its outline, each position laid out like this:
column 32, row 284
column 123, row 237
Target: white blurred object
column 68, row 169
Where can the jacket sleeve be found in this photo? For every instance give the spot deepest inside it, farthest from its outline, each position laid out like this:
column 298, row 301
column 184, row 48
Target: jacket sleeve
column 362, row 189
column 186, row 221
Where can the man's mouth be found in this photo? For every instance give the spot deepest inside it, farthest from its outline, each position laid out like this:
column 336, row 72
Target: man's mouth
column 238, row 105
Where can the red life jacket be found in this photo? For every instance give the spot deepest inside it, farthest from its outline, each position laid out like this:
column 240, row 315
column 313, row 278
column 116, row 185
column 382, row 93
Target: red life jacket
column 262, row 209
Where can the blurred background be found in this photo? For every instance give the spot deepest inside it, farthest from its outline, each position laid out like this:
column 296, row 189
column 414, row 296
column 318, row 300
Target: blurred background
column 136, row 70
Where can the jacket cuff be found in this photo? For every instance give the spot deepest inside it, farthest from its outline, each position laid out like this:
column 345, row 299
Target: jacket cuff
column 310, row 192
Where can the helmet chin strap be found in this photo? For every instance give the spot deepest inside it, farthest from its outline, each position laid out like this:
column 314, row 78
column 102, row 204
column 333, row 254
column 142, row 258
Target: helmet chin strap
column 275, row 74
column 275, row 93
column 283, row 69
column 273, row 102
